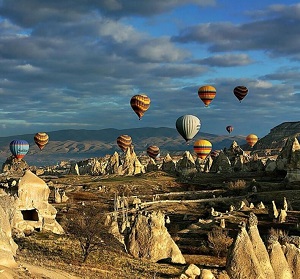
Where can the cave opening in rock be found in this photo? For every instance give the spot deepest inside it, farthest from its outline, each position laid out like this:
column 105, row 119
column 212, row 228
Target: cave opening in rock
column 30, row 215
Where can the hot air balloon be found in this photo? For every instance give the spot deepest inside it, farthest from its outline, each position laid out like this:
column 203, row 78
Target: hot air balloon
column 124, row 142
column 41, row 139
column 252, row 139
column 202, row 148
column 153, row 152
column 19, row 148
column 207, row 93
column 140, row 104
column 229, row 129
column 240, row 92
column 188, row 126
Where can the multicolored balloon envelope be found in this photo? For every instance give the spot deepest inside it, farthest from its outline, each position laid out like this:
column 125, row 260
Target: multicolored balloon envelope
column 207, row 93
column 124, row 142
column 240, row 92
column 153, row 152
column 252, row 139
column 19, row 148
column 229, row 129
column 188, row 126
column 202, row 148
column 41, row 139
column 140, row 104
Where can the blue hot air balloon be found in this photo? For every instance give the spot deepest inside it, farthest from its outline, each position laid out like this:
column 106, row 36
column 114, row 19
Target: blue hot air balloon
column 19, row 148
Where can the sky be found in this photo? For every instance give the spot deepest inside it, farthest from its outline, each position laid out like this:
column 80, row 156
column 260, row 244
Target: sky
column 76, row 64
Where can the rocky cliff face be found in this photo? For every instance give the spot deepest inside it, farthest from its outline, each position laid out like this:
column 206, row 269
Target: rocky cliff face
column 278, row 136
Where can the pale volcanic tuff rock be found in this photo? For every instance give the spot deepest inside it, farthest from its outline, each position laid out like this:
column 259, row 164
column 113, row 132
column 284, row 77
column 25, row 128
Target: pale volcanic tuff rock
column 259, row 248
column 186, row 164
column 8, row 247
column 33, row 212
column 278, row 261
column 221, row 164
column 149, row 239
column 168, row 164
column 241, row 260
column 292, row 255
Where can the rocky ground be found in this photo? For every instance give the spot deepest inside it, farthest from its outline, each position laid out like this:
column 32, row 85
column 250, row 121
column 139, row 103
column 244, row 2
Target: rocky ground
column 185, row 200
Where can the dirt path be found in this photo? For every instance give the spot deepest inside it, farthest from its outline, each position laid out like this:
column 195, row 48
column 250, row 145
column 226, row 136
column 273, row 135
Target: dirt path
column 28, row 271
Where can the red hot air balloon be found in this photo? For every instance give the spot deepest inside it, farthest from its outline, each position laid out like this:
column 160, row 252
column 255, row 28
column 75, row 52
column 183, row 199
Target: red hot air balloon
column 140, row 104
column 207, row 93
column 229, row 129
column 202, row 148
column 153, row 152
column 124, row 142
column 240, row 92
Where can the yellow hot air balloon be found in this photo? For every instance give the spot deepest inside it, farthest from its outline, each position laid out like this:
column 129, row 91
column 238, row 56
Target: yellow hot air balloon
column 140, row 104
column 41, row 139
column 124, row 142
column 202, row 148
column 207, row 93
column 252, row 139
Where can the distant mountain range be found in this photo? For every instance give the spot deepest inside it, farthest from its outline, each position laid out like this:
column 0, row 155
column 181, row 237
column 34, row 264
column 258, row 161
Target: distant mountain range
column 83, row 144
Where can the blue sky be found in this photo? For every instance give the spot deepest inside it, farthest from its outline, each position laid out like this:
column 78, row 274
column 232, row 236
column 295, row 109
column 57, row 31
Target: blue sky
column 76, row 64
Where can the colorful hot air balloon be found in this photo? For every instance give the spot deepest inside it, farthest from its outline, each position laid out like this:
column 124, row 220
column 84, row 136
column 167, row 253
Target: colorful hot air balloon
column 124, row 142
column 140, row 104
column 202, row 148
column 41, row 139
column 240, row 92
column 153, row 152
column 19, row 148
column 252, row 139
column 207, row 93
column 188, row 126
column 229, row 129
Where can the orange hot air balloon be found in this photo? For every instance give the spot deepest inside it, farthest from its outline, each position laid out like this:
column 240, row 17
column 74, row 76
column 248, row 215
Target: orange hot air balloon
column 240, row 92
column 252, row 139
column 41, row 139
column 140, row 104
column 207, row 93
column 229, row 129
column 153, row 152
column 124, row 142
column 202, row 148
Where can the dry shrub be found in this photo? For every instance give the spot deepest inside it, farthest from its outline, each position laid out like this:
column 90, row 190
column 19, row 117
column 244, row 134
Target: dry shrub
column 239, row 184
column 219, row 241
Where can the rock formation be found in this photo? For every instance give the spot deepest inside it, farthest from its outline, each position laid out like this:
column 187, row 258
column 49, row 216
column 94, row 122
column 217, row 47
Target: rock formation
column 278, row 260
column 8, row 247
column 292, row 255
column 149, row 239
column 186, row 164
column 33, row 212
column 168, row 164
column 241, row 261
column 221, row 164
column 14, row 166
column 259, row 248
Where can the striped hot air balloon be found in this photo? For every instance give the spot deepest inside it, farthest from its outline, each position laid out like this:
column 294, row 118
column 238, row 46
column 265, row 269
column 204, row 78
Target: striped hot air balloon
column 252, row 139
column 214, row 154
column 229, row 129
column 19, row 148
column 188, row 126
column 202, row 148
column 41, row 139
column 207, row 93
column 240, row 92
column 124, row 142
column 153, row 152
column 140, row 104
